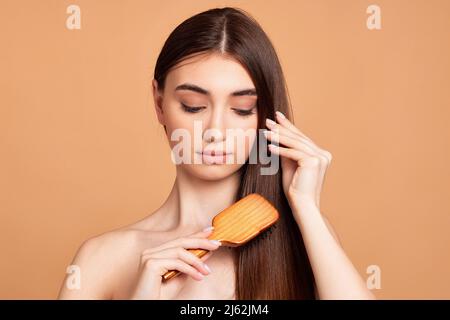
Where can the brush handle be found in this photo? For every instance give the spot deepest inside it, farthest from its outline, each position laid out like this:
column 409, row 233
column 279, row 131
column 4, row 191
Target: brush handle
column 173, row 273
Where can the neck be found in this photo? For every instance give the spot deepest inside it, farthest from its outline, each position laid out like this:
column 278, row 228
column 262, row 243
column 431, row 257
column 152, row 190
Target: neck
column 193, row 202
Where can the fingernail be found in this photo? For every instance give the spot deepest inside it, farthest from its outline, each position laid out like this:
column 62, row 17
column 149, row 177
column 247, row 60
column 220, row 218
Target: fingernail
column 200, row 276
column 207, row 267
column 216, row 242
column 208, row 229
column 282, row 116
column 270, row 123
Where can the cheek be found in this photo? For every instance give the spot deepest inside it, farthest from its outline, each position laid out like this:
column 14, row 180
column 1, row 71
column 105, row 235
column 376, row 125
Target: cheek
column 174, row 119
column 177, row 119
column 241, row 140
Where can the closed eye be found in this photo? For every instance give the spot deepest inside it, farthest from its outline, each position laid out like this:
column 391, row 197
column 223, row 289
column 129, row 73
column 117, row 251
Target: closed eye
column 244, row 112
column 240, row 112
column 191, row 109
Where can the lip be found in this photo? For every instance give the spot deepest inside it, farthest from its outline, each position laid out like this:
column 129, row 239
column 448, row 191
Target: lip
column 214, row 153
column 214, row 157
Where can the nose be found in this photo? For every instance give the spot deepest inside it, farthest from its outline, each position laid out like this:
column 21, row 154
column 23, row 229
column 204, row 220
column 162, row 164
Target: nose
column 215, row 127
column 210, row 139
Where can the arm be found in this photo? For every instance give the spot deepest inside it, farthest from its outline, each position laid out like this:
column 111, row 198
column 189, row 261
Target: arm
column 335, row 275
column 304, row 165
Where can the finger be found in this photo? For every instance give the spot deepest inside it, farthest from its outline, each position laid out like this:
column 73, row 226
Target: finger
column 285, row 122
column 289, row 142
column 195, row 261
column 190, row 243
column 207, row 256
column 202, row 234
column 272, row 125
column 302, row 157
column 199, row 243
column 164, row 265
column 282, row 131
column 184, row 255
column 289, row 153
column 289, row 129
column 178, row 241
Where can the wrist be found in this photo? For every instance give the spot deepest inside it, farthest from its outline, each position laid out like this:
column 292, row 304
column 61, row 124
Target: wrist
column 302, row 203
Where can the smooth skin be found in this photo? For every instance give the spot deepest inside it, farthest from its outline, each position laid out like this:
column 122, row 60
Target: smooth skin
column 128, row 263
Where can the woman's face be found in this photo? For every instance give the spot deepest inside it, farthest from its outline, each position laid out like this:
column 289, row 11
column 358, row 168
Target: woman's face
column 208, row 104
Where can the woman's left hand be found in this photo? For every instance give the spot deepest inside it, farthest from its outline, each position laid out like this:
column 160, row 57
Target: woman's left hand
column 303, row 163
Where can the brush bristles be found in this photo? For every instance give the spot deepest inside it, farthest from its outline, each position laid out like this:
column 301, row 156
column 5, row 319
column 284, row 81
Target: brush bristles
column 261, row 237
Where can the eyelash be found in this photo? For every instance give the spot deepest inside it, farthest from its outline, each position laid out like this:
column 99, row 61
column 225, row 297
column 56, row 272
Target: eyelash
column 241, row 112
column 191, row 109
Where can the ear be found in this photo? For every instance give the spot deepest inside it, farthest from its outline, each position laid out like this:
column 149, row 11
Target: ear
column 158, row 99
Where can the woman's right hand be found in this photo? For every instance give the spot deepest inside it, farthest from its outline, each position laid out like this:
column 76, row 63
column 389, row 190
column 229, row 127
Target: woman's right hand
column 172, row 255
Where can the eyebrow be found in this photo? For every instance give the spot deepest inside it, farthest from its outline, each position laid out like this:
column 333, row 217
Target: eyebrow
column 195, row 88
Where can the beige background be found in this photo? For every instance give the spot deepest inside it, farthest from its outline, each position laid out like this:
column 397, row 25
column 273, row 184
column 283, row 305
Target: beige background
column 81, row 151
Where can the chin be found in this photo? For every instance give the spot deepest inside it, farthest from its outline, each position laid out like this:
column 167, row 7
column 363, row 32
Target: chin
column 212, row 172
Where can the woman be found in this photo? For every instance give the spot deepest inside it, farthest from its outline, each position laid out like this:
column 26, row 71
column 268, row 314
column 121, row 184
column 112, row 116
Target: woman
column 218, row 68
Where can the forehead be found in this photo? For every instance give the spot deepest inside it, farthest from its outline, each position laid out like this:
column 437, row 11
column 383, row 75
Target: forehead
column 214, row 72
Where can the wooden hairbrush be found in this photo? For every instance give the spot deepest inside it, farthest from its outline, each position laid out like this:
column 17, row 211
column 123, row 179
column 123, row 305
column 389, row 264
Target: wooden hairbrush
column 238, row 224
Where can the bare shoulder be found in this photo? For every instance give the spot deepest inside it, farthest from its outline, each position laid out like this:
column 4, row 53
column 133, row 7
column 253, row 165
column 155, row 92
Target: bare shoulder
column 100, row 260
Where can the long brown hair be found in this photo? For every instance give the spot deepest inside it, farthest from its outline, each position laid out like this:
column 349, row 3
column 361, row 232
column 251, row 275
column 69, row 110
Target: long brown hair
column 277, row 266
